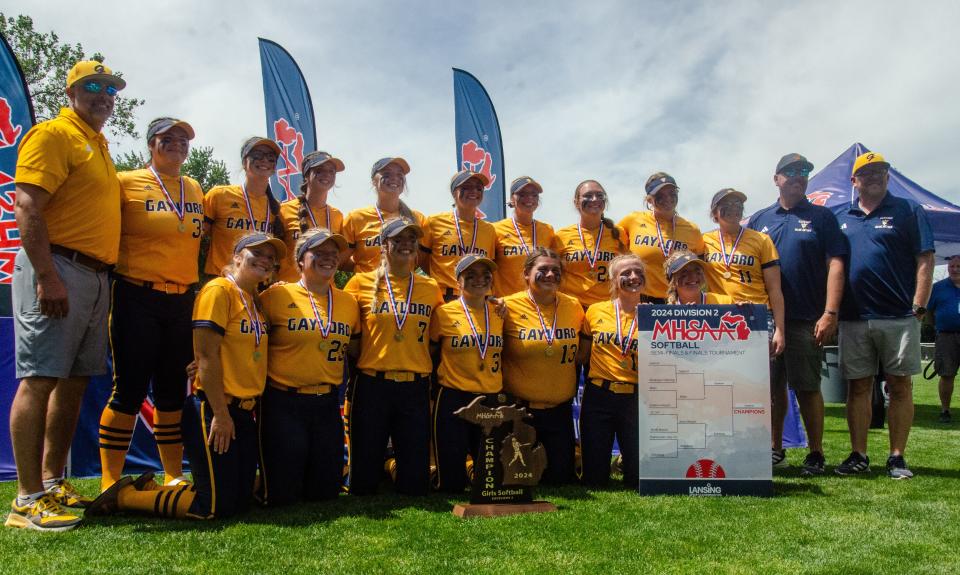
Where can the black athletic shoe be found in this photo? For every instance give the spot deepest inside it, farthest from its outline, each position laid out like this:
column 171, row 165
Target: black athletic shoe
column 945, row 417
column 853, row 465
column 813, row 464
column 897, row 468
column 779, row 457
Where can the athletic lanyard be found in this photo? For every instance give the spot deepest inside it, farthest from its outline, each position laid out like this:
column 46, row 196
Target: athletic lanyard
column 673, row 230
column 485, row 342
column 177, row 208
column 324, row 329
column 473, row 243
column 533, row 235
column 727, row 259
column 406, row 308
column 254, row 317
column 596, row 249
column 246, row 200
column 624, row 344
column 551, row 334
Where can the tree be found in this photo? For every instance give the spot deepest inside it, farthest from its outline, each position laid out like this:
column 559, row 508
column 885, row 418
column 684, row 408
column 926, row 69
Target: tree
column 45, row 62
column 200, row 165
column 130, row 161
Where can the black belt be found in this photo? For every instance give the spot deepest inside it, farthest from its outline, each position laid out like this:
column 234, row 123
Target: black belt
column 618, row 387
column 169, row 288
column 80, row 258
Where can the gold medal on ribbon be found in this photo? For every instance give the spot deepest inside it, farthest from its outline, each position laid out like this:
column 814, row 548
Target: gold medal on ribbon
column 324, row 346
column 398, row 336
column 727, row 275
column 257, row 355
column 549, row 351
column 182, row 228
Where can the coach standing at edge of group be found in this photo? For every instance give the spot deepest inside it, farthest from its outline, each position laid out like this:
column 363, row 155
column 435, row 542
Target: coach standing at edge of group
column 68, row 214
column 890, row 271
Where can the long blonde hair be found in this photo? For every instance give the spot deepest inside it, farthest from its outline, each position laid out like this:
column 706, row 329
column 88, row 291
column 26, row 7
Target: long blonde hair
column 672, row 297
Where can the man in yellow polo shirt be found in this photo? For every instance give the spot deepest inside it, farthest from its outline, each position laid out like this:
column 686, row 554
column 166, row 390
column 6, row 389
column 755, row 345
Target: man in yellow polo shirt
column 68, row 214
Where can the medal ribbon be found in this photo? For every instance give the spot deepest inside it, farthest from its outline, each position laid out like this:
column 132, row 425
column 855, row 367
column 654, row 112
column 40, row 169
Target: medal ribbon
column 324, row 330
column 253, row 317
column 246, row 200
column 473, row 243
column 177, row 208
column 596, row 249
column 313, row 218
column 393, row 301
column 723, row 248
column 481, row 345
column 673, row 229
column 533, row 235
column 624, row 345
column 548, row 335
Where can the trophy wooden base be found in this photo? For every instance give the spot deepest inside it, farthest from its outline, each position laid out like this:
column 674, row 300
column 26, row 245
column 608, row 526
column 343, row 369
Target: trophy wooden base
column 501, row 509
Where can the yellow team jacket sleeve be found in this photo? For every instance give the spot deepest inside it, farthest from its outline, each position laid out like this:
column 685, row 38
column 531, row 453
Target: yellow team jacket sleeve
column 461, row 364
column 511, row 252
column 534, row 369
column 607, row 358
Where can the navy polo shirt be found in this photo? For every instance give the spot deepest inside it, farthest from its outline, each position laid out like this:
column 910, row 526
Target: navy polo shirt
column 882, row 263
column 945, row 305
column 806, row 236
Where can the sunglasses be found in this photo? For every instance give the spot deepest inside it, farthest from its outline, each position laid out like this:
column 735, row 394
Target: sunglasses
column 257, row 156
column 795, row 172
column 97, row 87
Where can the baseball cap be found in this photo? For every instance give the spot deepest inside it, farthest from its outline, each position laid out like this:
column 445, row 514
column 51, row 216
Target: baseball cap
column 384, row 162
column 464, row 176
column 470, row 259
column 681, row 262
column 950, row 257
column 717, row 197
column 393, row 227
column 658, row 181
column 259, row 239
column 93, row 70
column 162, row 125
column 864, row 160
column 321, row 236
column 255, row 141
column 791, row 159
column 318, row 158
column 522, row 182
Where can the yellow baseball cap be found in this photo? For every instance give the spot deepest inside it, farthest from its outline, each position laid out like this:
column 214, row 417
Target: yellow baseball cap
column 867, row 159
column 93, row 70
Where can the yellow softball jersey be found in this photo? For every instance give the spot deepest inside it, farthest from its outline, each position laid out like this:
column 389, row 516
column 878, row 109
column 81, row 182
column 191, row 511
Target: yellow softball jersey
column 330, row 218
column 71, row 161
column 362, row 232
column 446, row 247
column 511, row 252
column 220, row 307
column 461, row 366
column 644, row 240
column 589, row 284
column 532, row 369
column 754, row 253
column 607, row 344
column 225, row 210
column 383, row 346
column 155, row 245
column 299, row 354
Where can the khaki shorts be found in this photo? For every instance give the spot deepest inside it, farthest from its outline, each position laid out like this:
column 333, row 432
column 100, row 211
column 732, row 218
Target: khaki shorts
column 946, row 353
column 892, row 343
column 74, row 346
column 799, row 364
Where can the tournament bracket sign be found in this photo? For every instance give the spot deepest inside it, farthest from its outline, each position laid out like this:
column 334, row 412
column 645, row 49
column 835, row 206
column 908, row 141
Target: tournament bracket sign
column 704, row 393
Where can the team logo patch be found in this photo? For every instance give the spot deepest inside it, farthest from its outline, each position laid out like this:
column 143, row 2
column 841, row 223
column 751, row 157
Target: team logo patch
column 705, row 469
column 292, row 306
column 98, row 68
column 235, row 206
column 885, row 224
column 804, row 226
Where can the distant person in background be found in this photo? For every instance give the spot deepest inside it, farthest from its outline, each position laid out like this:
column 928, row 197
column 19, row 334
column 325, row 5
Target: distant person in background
column 889, row 272
column 811, row 250
column 945, row 307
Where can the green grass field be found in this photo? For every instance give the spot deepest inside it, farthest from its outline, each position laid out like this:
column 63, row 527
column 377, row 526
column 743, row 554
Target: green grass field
column 822, row 525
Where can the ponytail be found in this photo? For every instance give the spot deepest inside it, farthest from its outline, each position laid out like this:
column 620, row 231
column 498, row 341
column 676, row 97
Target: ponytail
column 303, row 212
column 276, row 227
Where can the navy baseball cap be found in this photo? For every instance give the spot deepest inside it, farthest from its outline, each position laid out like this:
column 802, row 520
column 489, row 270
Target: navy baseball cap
column 384, row 162
column 792, row 159
column 522, row 182
column 259, row 239
column 471, row 259
column 464, row 176
column 162, row 125
column 255, row 141
column 658, row 181
column 322, row 235
column 682, row 262
column 318, row 158
column 717, row 197
column 392, row 228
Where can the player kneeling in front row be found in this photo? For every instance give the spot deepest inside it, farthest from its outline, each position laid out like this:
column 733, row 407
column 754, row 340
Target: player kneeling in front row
column 219, row 432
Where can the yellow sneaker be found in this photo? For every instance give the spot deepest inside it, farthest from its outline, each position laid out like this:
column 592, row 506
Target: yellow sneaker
column 44, row 514
column 67, row 495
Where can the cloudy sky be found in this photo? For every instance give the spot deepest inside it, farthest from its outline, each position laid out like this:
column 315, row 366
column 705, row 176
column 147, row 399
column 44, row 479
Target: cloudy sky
column 713, row 92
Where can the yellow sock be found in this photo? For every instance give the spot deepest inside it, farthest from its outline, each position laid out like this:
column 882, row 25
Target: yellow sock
column 166, row 429
column 116, row 430
column 164, row 502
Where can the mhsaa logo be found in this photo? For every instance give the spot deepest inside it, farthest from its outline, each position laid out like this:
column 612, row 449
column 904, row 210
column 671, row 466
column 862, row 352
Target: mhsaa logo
column 733, row 327
column 476, row 159
column 291, row 142
column 705, row 469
